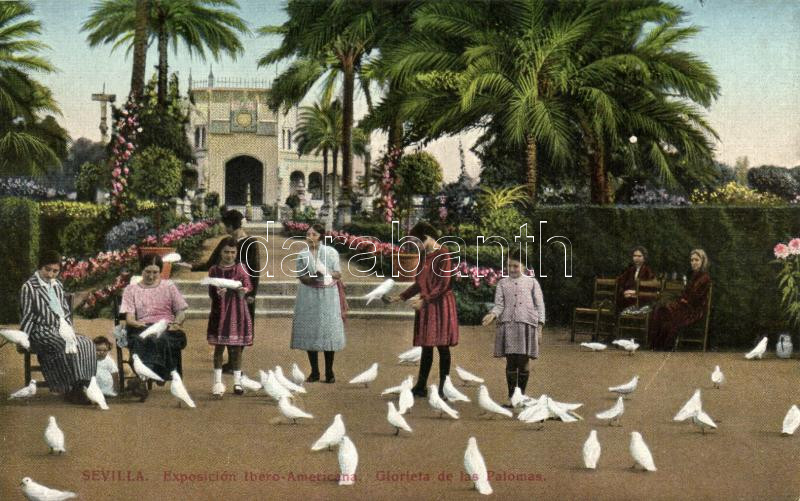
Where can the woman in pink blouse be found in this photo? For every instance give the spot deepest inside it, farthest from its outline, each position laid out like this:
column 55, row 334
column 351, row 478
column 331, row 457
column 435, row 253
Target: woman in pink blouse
column 147, row 302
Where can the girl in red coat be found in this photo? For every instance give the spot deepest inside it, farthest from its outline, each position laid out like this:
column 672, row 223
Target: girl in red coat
column 688, row 309
column 436, row 320
column 626, row 282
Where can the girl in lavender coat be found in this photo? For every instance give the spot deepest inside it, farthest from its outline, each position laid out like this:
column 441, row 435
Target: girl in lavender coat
column 519, row 310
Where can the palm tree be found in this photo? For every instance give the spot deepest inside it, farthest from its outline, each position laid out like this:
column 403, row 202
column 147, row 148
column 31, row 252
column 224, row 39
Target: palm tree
column 197, row 23
column 25, row 140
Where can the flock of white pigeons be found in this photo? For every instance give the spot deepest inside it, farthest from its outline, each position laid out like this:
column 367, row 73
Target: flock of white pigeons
column 529, row 410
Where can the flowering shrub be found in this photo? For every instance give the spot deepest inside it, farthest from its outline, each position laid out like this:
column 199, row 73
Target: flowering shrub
column 387, row 202
column 72, row 210
column 96, row 300
column 26, row 187
column 124, row 141
column 788, row 257
column 128, row 233
column 645, row 196
column 734, row 193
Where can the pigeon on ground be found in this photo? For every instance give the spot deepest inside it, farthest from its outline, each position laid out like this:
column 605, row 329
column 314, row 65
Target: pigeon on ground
column 641, row 453
column 591, row 451
column 407, row 383
column 535, row 414
column 689, row 408
column 627, row 388
column 518, row 399
column 332, row 436
column 272, row 387
column 758, row 351
column 791, row 421
column 703, row 420
column 717, row 377
column 396, row 419
column 178, row 390
column 172, row 257
column 546, row 408
column 156, row 330
column 486, row 403
column 406, row 400
column 367, row 376
column 348, row 461
column 292, row 412
column 411, row 356
column 379, row 291
column 613, row 414
column 225, row 283
column 25, row 392
column 468, row 377
column 476, row 467
column 95, row 394
column 440, row 405
column 144, row 371
column 38, row 492
column 594, row 346
column 250, row 384
column 451, row 392
column 295, row 388
column 54, row 437
column 297, row 375
column 17, row 337
column 628, row 345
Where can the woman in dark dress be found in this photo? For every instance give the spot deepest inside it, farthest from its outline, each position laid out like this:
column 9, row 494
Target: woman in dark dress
column 626, row 282
column 436, row 318
column 688, row 309
column 68, row 360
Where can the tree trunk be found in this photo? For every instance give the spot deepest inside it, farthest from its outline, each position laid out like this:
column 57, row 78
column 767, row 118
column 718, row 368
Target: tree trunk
column 347, row 130
column 139, row 48
column 532, row 168
column 163, row 41
column 325, row 176
column 395, row 133
column 334, row 182
column 599, row 188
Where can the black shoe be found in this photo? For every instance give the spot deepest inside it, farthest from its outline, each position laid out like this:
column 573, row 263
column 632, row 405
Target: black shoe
column 227, row 368
column 238, row 389
column 419, row 392
column 507, row 406
column 330, row 379
column 312, row 378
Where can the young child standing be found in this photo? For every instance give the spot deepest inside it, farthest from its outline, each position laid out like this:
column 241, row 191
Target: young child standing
column 519, row 310
column 229, row 323
column 106, row 368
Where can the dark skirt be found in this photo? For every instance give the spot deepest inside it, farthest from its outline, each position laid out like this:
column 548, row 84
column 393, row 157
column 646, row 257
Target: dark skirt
column 162, row 354
column 62, row 371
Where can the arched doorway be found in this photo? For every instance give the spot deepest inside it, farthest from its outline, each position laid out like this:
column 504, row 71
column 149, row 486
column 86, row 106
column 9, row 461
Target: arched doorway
column 315, row 185
column 239, row 172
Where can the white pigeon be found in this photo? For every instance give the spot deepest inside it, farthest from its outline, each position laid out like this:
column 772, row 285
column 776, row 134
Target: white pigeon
column 594, row 346
column 297, row 375
column 272, row 387
column 250, row 384
column 178, row 390
column 614, row 413
column 467, row 377
column 17, row 337
column 641, row 453
column 225, row 283
column 332, row 436
column 717, row 377
column 367, row 376
column 25, row 392
column 451, row 392
column 296, row 388
column 703, row 420
column 156, row 329
column 407, row 383
column 292, row 412
column 144, row 371
column 591, row 451
column 486, row 403
column 440, row 405
column 518, row 399
column 628, row 345
column 396, row 419
column 54, row 437
column 627, row 388
column 411, row 356
column 38, row 492
column 535, row 414
column 323, row 270
column 380, row 291
column 406, row 400
column 172, row 257
column 476, row 467
column 791, row 421
column 136, row 279
column 758, row 351
column 348, row 461
column 563, row 411
column 95, row 394
column 545, row 408
column 689, row 408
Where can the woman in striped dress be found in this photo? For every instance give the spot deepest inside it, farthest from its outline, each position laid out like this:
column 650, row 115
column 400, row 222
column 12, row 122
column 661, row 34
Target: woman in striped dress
column 68, row 360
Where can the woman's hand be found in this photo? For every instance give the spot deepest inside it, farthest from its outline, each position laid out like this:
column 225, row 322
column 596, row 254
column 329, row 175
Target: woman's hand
column 221, row 292
column 173, row 326
column 539, row 332
column 394, row 298
column 488, row 319
column 251, row 300
column 417, row 303
column 629, row 293
column 241, row 291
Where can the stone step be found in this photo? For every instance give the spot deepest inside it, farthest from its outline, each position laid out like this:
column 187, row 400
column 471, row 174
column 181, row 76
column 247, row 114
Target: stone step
column 272, row 287
column 281, row 302
column 407, row 314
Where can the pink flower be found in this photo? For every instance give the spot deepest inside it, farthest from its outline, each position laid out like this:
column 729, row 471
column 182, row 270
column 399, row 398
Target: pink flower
column 794, row 246
column 781, row 251
column 116, row 172
column 126, row 171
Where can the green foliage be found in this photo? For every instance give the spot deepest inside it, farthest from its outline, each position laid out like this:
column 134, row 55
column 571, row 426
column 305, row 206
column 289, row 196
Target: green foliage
column 19, row 253
column 90, row 177
column 381, row 231
column 417, row 174
column 503, row 222
column 734, row 193
column 777, row 181
column 155, row 174
column 165, row 126
column 293, row 201
column 56, row 216
column 81, row 238
column 472, row 303
column 307, row 215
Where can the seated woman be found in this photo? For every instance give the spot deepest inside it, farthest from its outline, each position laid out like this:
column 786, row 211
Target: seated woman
column 626, row 282
column 144, row 304
column 688, row 309
column 68, row 360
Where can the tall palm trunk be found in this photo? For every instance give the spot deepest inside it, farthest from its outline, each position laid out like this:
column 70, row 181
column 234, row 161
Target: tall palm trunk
column 325, row 176
column 395, row 133
column 163, row 40
column 334, row 182
column 347, row 130
column 532, row 168
column 599, row 187
column 139, row 48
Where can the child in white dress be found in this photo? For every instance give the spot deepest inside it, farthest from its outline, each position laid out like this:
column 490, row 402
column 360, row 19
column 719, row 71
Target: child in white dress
column 106, row 367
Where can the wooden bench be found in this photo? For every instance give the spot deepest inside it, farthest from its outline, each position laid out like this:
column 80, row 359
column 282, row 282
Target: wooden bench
column 600, row 316
column 647, row 292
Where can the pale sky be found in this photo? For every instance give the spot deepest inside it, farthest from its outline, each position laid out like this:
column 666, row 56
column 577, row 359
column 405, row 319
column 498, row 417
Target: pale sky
column 753, row 47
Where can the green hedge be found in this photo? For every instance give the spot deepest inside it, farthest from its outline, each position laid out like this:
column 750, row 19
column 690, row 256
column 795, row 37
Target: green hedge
column 73, row 227
column 738, row 241
column 19, row 253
